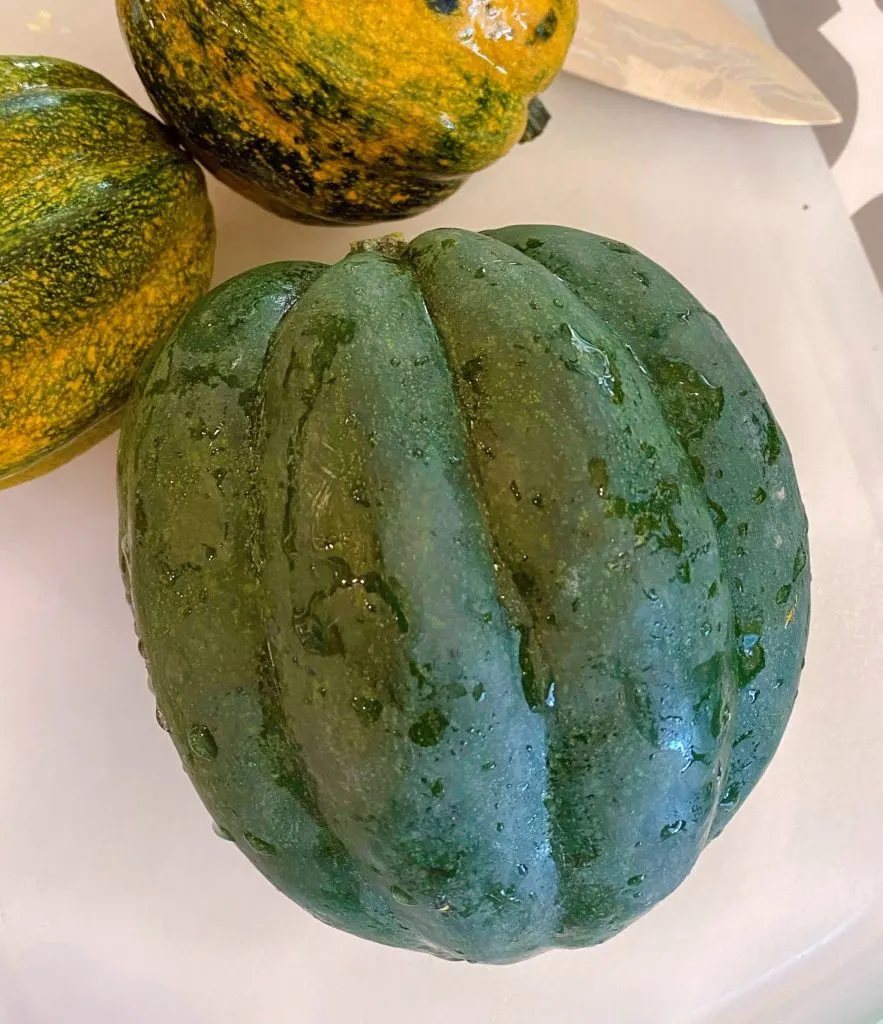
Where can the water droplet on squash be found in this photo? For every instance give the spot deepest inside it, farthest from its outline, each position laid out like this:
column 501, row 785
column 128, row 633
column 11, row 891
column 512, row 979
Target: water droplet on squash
column 598, row 476
column 400, row 896
column 260, row 845
column 594, row 360
column 549, row 699
column 731, row 795
column 202, row 743
column 748, row 642
column 502, row 894
column 672, row 829
column 522, row 869
column 222, row 833
column 725, row 716
column 636, row 880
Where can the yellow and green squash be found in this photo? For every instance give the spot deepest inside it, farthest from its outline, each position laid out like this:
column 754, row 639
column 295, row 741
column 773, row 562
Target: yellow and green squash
column 106, row 239
column 353, row 110
column 471, row 575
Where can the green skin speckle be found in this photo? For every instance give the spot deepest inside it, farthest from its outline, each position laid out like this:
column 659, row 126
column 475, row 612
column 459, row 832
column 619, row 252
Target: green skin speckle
column 106, row 239
column 464, row 661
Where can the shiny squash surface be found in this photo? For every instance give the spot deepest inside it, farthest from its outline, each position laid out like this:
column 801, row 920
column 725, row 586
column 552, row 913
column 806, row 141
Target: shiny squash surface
column 106, row 239
column 357, row 110
column 472, row 580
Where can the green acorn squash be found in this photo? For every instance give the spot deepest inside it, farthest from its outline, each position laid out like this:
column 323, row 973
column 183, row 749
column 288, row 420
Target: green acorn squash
column 106, row 238
column 357, row 110
column 472, row 580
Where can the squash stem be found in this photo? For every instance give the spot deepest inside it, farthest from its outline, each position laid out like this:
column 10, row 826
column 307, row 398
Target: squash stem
column 537, row 119
column 392, row 245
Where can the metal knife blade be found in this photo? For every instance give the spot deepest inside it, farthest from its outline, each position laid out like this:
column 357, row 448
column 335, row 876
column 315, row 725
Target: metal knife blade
column 695, row 54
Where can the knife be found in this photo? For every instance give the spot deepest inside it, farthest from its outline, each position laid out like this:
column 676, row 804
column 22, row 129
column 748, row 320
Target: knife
column 695, row 54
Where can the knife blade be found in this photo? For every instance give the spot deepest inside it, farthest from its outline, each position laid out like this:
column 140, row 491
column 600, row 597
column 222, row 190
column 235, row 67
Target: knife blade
column 695, row 54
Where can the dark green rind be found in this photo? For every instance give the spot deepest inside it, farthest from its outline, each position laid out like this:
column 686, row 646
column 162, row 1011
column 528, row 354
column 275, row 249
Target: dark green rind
column 739, row 455
column 191, row 563
column 610, row 556
column 399, row 668
column 440, row 603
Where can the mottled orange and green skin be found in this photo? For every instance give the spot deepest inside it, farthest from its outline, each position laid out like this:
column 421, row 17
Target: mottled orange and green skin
column 106, row 239
column 358, row 110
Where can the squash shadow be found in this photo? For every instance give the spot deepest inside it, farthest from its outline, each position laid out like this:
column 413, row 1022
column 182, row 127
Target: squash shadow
column 249, row 236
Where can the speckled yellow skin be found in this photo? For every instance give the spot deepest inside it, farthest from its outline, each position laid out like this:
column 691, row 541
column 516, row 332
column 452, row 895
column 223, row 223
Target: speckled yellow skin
column 352, row 110
column 106, row 239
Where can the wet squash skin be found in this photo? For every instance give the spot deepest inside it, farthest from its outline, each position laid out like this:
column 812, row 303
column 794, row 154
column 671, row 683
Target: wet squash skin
column 352, row 111
column 106, row 239
column 472, row 579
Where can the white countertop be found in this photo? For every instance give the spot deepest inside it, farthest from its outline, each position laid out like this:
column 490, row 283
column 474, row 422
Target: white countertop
column 117, row 903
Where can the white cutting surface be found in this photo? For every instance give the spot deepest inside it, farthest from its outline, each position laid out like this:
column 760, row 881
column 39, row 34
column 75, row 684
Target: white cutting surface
column 117, row 903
